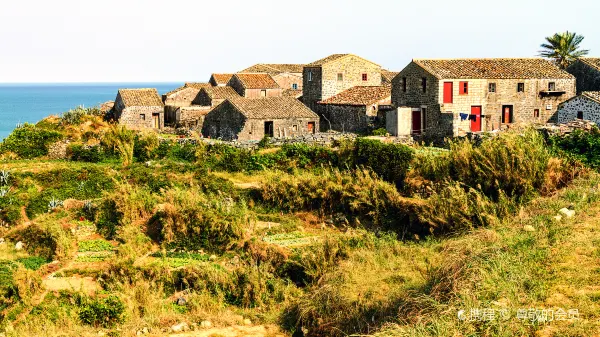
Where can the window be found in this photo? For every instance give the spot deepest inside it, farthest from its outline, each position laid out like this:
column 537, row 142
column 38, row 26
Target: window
column 552, row 86
column 424, row 84
column 464, row 88
column 295, row 86
column 404, row 84
column 295, row 128
column 143, row 117
column 340, row 77
column 424, row 116
column 492, row 87
column 521, row 87
column 263, row 93
column 364, row 77
column 579, row 114
column 536, row 113
column 310, row 76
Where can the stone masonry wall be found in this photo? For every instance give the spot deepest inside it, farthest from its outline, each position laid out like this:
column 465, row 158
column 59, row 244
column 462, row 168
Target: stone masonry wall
column 351, row 68
column 132, row 116
column 183, row 97
column 311, row 86
column 285, row 80
column 568, row 110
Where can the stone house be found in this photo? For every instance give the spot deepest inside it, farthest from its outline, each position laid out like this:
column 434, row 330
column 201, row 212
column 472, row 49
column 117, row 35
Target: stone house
column 333, row 74
column 455, row 96
column 219, row 80
column 213, row 96
column 584, row 106
column 255, row 85
column 357, row 109
column 387, row 76
column 587, row 73
column 288, row 76
column 252, row 119
column 185, row 95
column 139, row 108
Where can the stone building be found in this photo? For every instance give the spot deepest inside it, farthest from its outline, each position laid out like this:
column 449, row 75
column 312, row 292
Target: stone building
column 255, row 85
column 357, row 109
column 455, row 96
column 584, row 106
column 288, row 76
column 587, row 73
column 185, row 95
column 213, row 96
column 333, row 74
column 253, row 119
column 219, row 80
column 139, row 108
column 387, row 76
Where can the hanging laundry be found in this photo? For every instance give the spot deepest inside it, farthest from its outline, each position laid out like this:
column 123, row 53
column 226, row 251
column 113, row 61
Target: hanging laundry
column 473, row 118
column 463, row 116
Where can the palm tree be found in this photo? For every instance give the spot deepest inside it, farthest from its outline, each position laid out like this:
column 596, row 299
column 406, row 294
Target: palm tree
column 563, row 48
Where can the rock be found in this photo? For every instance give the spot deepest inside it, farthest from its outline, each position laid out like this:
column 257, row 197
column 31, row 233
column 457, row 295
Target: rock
column 567, row 212
column 183, row 326
column 205, row 324
column 19, row 245
column 557, row 218
column 247, row 322
column 181, row 301
column 528, row 228
column 235, row 260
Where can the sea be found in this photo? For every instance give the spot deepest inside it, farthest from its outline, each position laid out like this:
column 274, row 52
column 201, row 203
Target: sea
column 20, row 103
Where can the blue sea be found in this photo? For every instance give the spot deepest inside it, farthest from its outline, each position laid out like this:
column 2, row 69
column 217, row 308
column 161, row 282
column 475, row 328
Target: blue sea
column 20, row 103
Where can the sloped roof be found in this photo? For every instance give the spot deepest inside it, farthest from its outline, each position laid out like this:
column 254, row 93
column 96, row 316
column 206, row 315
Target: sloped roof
column 387, row 76
column 271, row 68
column 327, row 59
column 140, row 97
column 593, row 95
column 292, row 93
column 257, row 81
column 272, row 108
column 593, row 62
column 220, row 92
column 221, row 78
column 194, row 85
column 500, row 68
column 360, row 95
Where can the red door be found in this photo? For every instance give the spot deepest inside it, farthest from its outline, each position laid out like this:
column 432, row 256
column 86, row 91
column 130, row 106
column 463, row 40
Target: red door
column 416, row 122
column 448, row 87
column 475, row 118
column 507, row 114
column 311, row 127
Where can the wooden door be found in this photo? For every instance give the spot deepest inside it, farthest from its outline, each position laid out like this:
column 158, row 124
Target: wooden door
column 416, row 122
column 507, row 114
column 448, row 94
column 475, row 118
column 311, row 127
column 156, row 121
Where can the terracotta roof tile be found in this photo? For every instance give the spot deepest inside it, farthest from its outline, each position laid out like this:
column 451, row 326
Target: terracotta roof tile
column 272, row 108
column 327, row 59
column 274, row 68
column 221, row 92
column 500, row 68
column 292, row 93
column 140, row 97
column 257, row 81
column 593, row 95
column 387, row 76
column 360, row 95
column 195, row 85
column 593, row 62
column 221, row 78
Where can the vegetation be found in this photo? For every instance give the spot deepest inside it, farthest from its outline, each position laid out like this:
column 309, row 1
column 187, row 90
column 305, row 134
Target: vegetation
column 360, row 237
column 563, row 48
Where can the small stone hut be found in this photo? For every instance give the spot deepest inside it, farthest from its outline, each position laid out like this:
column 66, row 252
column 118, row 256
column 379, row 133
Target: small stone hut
column 139, row 108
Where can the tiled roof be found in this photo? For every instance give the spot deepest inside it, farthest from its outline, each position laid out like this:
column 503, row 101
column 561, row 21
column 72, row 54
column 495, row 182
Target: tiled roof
column 140, row 97
column 500, row 68
column 327, row 59
column 194, row 85
column 387, row 76
column 593, row 95
column 360, row 95
column 594, row 62
column 292, row 93
column 221, row 78
column 272, row 108
column 257, row 81
column 274, row 68
column 221, row 92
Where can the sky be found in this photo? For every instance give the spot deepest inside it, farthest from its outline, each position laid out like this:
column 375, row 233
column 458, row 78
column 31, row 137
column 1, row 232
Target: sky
column 187, row 40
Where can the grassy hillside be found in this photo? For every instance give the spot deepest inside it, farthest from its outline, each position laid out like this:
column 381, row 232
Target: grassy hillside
column 127, row 233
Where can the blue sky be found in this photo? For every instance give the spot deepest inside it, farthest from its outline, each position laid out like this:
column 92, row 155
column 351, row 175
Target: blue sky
column 181, row 40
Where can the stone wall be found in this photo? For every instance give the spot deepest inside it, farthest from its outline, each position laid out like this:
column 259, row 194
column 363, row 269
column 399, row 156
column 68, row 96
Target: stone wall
column 398, row 121
column 351, row 118
column 138, row 117
column 311, row 87
column 285, row 80
column 351, row 68
column 224, row 122
column 183, row 97
column 256, row 93
column 568, row 110
column 588, row 78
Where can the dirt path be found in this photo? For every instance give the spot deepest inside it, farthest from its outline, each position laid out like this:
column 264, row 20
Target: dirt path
column 235, row 331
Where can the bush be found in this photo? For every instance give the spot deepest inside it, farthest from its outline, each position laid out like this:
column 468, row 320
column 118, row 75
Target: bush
column 86, row 153
column 29, row 141
column 380, row 132
column 75, row 116
column 145, row 145
column 46, row 239
column 95, row 246
column 389, row 161
column 102, row 312
column 32, row 262
column 581, row 145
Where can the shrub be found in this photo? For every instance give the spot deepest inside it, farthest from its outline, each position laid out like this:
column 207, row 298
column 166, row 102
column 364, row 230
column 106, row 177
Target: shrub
column 86, row 153
column 144, row 146
column 46, row 238
column 30, row 141
column 380, row 132
column 95, row 246
column 121, row 140
column 75, row 116
column 32, row 262
column 102, row 312
column 581, row 145
column 389, row 161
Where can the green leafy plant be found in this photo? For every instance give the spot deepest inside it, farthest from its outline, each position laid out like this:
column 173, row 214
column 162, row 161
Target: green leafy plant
column 29, row 141
column 102, row 312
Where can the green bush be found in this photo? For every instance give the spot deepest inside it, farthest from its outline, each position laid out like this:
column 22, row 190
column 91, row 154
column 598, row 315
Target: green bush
column 144, row 146
column 86, row 153
column 32, row 262
column 95, row 246
column 102, row 312
column 581, row 145
column 75, row 116
column 389, row 161
column 30, row 141
column 380, row 132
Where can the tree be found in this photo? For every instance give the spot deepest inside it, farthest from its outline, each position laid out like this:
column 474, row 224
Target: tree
column 563, row 48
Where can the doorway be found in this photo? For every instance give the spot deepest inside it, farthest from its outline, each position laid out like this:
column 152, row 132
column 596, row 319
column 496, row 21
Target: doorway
column 416, row 122
column 269, row 129
column 311, row 127
column 475, row 118
column 507, row 114
column 156, row 120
